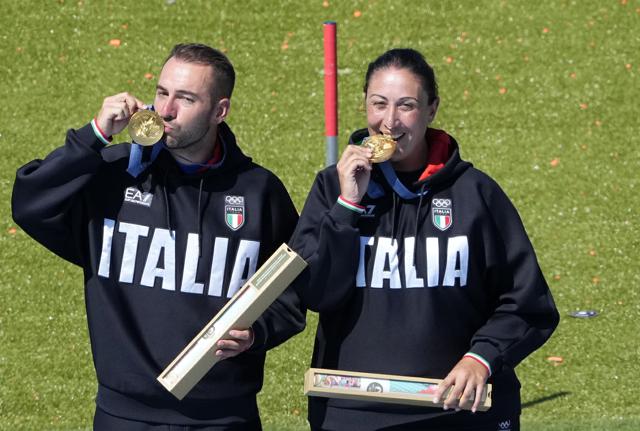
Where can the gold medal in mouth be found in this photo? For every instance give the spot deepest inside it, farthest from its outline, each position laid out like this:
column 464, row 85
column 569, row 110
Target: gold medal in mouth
column 146, row 127
column 382, row 146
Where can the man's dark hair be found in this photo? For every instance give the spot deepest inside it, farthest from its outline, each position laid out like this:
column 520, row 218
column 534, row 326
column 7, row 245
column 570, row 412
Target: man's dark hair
column 223, row 72
column 410, row 59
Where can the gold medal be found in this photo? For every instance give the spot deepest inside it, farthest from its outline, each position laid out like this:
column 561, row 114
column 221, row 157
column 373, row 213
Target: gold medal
column 382, row 147
column 146, row 127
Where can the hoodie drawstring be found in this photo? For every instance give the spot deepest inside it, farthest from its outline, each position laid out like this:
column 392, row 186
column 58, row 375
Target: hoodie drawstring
column 415, row 228
column 199, row 220
column 167, row 208
column 394, row 209
column 393, row 216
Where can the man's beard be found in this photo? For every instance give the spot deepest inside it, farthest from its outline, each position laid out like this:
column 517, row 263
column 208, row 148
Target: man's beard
column 185, row 142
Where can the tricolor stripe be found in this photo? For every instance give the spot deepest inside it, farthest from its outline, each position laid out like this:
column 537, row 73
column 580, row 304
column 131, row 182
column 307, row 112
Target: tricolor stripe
column 443, row 221
column 351, row 205
column 235, row 220
column 99, row 133
column 480, row 359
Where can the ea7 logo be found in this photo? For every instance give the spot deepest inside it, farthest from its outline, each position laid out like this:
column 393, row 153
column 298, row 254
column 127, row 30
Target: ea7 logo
column 135, row 196
column 368, row 212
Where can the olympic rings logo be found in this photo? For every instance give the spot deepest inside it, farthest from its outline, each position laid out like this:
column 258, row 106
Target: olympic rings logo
column 234, row 200
column 441, row 203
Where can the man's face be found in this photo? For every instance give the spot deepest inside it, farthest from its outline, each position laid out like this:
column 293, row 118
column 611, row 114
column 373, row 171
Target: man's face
column 184, row 100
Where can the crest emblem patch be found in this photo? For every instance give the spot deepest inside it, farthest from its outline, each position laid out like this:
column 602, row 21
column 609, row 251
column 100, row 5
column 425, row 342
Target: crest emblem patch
column 442, row 213
column 234, row 211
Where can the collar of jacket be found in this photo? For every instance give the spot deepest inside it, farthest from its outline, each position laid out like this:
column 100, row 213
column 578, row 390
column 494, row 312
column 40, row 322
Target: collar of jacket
column 143, row 158
column 443, row 165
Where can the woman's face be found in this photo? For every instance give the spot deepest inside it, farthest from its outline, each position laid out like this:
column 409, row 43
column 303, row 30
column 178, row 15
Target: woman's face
column 398, row 105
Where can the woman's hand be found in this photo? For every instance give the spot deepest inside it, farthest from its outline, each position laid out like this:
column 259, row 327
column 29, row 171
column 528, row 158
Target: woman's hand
column 354, row 172
column 468, row 379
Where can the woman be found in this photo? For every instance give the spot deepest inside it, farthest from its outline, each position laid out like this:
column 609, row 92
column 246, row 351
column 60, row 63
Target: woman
column 418, row 266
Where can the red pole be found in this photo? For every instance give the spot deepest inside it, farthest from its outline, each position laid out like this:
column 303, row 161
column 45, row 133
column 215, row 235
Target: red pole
column 331, row 91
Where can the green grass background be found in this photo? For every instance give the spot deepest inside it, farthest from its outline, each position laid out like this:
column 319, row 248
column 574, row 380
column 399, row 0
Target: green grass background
column 541, row 95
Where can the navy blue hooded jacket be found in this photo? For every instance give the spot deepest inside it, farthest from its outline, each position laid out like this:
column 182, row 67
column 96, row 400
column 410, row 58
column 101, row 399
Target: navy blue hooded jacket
column 162, row 253
column 421, row 275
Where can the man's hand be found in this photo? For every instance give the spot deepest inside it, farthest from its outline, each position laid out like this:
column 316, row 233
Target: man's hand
column 237, row 342
column 116, row 111
column 468, row 379
column 354, row 172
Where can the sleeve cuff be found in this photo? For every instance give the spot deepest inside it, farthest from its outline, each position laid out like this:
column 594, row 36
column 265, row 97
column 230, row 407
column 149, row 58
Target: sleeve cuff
column 345, row 215
column 479, row 359
column 99, row 133
column 351, row 205
column 259, row 337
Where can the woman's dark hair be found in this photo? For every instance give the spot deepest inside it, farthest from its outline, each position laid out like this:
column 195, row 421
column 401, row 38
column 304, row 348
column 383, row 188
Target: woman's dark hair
column 410, row 59
column 223, row 72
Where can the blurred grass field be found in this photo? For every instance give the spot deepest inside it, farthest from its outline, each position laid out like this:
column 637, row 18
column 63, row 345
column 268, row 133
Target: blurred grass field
column 540, row 95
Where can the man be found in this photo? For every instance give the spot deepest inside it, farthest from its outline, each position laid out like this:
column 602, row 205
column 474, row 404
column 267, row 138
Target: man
column 165, row 236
